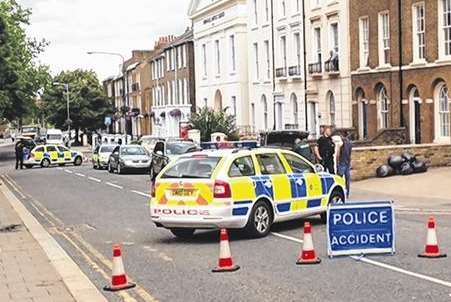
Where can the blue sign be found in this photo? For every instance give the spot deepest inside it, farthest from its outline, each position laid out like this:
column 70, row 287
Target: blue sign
column 107, row 121
column 361, row 228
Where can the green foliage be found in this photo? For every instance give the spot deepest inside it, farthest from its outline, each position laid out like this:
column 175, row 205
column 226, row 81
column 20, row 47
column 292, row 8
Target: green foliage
column 20, row 76
column 209, row 121
column 88, row 103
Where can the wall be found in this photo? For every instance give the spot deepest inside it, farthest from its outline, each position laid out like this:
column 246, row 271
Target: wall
column 365, row 160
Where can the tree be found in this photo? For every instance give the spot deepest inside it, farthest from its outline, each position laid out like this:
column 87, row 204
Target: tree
column 88, row 103
column 209, row 121
column 20, row 76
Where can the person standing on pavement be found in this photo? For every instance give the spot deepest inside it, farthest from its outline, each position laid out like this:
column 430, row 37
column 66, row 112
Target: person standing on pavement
column 325, row 150
column 19, row 154
column 344, row 160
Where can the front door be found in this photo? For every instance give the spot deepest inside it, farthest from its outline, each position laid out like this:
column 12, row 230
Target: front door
column 417, row 115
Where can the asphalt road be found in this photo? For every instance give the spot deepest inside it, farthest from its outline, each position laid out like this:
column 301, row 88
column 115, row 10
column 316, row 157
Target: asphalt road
column 87, row 210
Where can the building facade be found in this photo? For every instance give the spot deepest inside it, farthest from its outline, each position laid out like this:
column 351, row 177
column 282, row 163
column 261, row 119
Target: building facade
column 299, row 72
column 172, row 84
column 220, row 36
column 401, row 68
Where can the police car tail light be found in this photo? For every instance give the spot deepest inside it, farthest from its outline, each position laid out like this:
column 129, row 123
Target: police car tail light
column 222, row 189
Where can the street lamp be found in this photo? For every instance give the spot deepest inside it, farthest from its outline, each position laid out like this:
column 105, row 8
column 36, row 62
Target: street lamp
column 124, row 76
column 68, row 121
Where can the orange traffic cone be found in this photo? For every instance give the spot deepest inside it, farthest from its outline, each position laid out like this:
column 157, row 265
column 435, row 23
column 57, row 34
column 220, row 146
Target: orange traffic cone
column 119, row 279
column 307, row 254
column 225, row 263
column 431, row 250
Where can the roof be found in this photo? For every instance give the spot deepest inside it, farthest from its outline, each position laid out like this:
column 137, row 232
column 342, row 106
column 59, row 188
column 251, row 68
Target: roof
column 185, row 37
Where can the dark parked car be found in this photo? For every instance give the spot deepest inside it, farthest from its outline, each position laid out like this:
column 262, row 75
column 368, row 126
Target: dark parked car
column 166, row 151
column 128, row 158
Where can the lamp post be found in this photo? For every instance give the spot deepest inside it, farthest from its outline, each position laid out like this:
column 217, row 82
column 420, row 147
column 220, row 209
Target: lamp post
column 124, row 76
column 68, row 120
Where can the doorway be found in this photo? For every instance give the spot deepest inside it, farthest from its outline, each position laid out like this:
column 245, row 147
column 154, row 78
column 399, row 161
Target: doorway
column 415, row 116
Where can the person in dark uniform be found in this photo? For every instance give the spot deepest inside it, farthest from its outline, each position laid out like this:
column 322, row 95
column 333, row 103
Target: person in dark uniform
column 325, row 150
column 19, row 154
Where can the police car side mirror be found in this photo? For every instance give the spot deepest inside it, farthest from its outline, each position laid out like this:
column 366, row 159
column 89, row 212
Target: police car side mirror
column 319, row 168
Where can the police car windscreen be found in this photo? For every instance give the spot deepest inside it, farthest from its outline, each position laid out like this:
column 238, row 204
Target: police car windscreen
column 192, row 168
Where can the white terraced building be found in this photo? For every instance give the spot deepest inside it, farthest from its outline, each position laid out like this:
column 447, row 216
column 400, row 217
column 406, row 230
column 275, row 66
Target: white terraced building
column 221, row 58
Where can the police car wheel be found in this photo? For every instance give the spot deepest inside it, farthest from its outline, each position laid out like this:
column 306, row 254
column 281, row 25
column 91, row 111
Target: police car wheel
column 260, row 220
column 45, row 163
column 335, row 198
column 183, row 233
column 78, row 161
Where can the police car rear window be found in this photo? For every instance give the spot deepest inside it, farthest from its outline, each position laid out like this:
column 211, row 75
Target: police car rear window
column 192, row 167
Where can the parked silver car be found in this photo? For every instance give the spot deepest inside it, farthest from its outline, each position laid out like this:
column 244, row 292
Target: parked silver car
column 128, row 158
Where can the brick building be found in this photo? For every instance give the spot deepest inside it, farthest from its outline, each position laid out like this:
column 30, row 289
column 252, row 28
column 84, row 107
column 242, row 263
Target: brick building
column 172, row 84
column 407, row 88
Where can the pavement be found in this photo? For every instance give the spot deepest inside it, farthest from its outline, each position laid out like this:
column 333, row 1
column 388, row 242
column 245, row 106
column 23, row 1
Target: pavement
column 87, row 210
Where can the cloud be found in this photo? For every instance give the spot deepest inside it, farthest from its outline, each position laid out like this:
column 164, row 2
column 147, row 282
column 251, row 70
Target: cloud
column 74, row 27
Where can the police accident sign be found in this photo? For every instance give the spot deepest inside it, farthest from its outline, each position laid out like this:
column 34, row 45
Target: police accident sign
column 361, row 228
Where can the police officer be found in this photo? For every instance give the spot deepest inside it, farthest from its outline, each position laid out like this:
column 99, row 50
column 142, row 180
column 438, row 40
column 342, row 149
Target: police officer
column 19, row 154
column 325, row 150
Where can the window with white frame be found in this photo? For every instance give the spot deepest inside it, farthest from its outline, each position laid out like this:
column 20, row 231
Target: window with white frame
column 317, row 44
column 232, row 52
column 283, row 48
column 283, row 8
column 205, row 102
column 334, row 37
column 383, row 108
column 234, row 110
column 446, row 26
column 253, row 115
column 443, row 112
column 255, row 12
column 264, row 105
column 294, row 107
column 267, row 60
column 317, row 3
column 418, row 24
column 267, row 10
column 257, row 64
column 332, row 109
column 298, row 5
column 218, row 57
column 384, row 39
column 364, row 41
column 297, row 42
column 204, row 58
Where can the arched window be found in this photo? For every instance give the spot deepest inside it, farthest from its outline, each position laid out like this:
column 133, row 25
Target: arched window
column 264, row 104
column 443, row 111
column 332, row 108
column 383, row 108
column 294, row 107
column 253, row 114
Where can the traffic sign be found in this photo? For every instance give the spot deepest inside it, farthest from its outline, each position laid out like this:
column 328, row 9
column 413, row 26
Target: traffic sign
column 361, row 228
column 107, row 121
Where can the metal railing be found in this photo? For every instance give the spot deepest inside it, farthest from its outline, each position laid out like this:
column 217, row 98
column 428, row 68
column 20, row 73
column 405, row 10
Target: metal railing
column 294, row 71
column 331, row 66
column 315, row 68
column 281, row 72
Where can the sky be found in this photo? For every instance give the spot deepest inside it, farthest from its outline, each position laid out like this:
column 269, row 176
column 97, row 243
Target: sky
column 74, row 27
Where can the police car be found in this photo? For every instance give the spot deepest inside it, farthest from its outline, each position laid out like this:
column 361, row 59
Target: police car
column 240, row 189
column 47, row 155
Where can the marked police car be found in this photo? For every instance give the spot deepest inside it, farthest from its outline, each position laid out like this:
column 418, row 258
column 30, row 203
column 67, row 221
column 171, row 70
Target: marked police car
column 240, row 189
column 47, row 155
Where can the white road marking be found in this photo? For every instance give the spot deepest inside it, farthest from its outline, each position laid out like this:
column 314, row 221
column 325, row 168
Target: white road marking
column 402, row 271
column 114, row 185
column 68, row 171
column 380, row 264
column 79, row 174
column 141, row 193
column 94, row 179
column 287, row 237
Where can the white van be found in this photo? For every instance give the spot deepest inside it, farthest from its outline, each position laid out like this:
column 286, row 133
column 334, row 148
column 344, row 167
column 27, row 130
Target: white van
column 54, row 137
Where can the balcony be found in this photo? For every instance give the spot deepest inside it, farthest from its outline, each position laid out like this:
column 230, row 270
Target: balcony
column 281, row 72
column 315, row 68
column 332, row 67
column 294, row 71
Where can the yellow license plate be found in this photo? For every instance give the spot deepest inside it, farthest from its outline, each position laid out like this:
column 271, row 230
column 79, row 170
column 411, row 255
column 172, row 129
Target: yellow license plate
column 183, row 193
